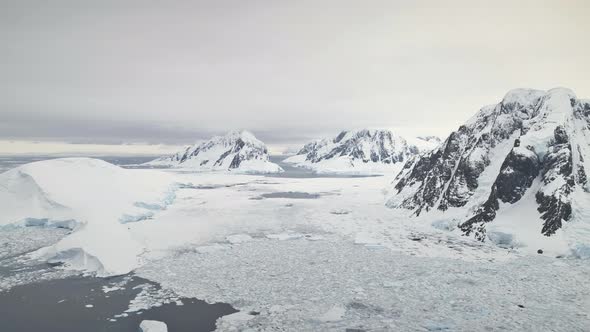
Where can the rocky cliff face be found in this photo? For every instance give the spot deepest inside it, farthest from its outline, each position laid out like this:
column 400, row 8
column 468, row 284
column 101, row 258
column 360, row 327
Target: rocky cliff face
column 237, row 150
column 531, row 142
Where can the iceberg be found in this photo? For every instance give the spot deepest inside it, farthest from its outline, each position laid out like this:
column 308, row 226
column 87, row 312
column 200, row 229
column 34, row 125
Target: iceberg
column 92, row 198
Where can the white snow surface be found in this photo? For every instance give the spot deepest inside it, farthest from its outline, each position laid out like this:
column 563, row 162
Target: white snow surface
column 221, row 152
column 361, row 151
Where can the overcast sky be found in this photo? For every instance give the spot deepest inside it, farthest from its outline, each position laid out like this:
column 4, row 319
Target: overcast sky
column 177, row 71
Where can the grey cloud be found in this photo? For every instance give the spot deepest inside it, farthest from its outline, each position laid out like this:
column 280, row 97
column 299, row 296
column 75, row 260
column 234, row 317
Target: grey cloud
column 178, row 71
column 76, row 130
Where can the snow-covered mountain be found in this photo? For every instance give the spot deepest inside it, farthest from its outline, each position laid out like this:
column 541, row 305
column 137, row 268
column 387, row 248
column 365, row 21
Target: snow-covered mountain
column 516, row 170
column 361, row 151
column 236, row 151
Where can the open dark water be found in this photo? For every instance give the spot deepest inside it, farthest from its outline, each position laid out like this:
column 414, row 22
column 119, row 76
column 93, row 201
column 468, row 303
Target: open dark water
column 60, row 306
column 35, row 296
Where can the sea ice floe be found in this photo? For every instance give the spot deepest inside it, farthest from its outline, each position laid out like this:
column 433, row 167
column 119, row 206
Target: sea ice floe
column 151, row 296
column 285, row 236
column 238, row 238
column 152, row 326
column 210, row 248
column 364, row 238
column 335, row 314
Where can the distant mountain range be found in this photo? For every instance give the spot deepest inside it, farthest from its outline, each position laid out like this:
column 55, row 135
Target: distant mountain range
column 361, row 151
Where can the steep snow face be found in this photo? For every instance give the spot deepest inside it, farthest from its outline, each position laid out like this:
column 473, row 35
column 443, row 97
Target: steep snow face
column 91, row 197
column 236, row 151
column 533, row 144
column 361, row 151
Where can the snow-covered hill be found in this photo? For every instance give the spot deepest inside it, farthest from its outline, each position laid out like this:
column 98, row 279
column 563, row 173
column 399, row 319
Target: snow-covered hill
column 515, row 173
column 361, row 151
column 236, row 151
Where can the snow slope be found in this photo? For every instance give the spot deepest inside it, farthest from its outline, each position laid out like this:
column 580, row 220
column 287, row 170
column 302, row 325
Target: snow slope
column 237, row 151
column 91, row 197
column 515, row 173
column 362, row 151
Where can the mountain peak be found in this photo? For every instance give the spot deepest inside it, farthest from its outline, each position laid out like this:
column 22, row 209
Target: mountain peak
column 522, row 96
column 361, row 150
column 244, row 135
column 562, row 91
column 526, row 156
column 237, row 150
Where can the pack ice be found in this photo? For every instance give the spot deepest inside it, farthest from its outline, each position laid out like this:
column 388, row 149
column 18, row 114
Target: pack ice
column 514, row 174
column 91, row 197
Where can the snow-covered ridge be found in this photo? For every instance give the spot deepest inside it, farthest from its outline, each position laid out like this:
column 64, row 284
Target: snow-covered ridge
column 361, row 151
column 91, row 197
column 521, row 163
column 238, row 151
